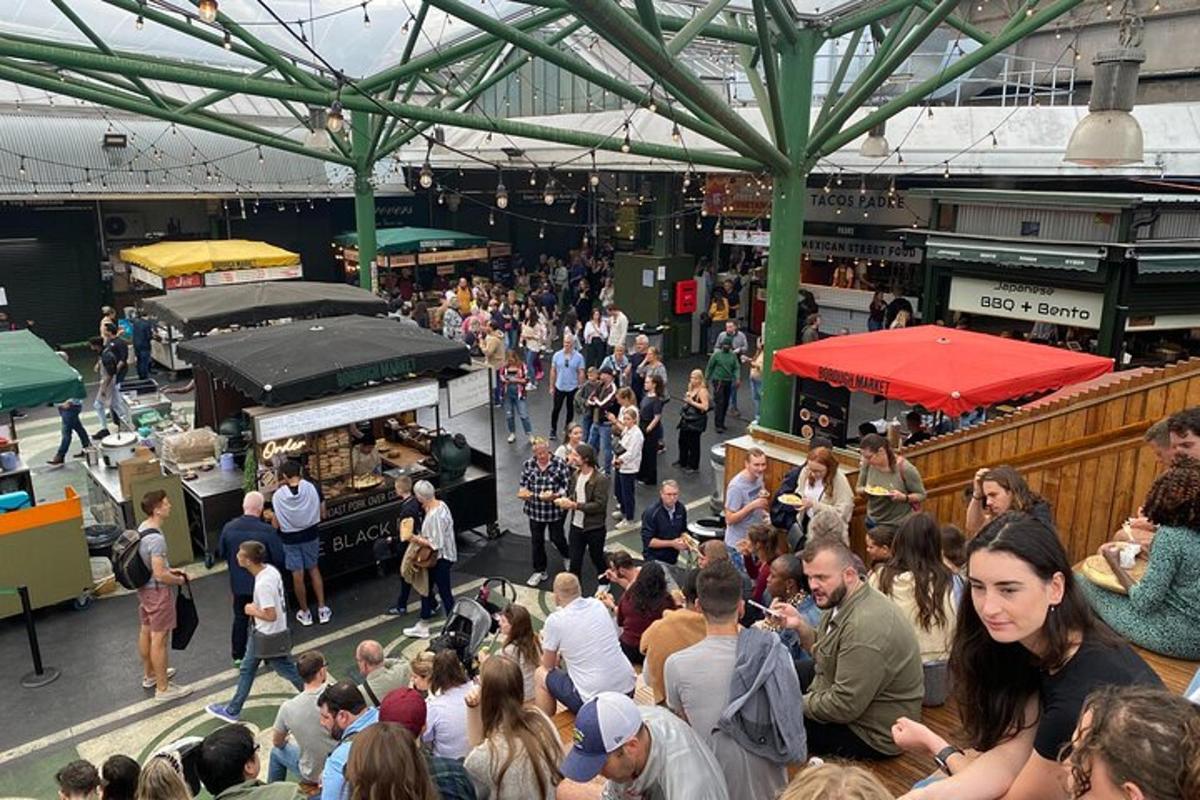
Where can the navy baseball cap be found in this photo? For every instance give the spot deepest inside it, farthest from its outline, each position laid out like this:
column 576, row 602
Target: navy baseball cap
column 605, row 722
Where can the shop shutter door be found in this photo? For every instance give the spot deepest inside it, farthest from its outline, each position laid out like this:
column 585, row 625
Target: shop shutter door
column 55, row 284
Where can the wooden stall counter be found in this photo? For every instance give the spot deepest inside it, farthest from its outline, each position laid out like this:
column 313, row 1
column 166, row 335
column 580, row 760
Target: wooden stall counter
column 785, row 452
column 44, row 548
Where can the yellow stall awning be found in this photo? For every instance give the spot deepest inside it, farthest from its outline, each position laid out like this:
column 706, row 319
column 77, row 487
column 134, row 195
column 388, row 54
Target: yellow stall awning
column 172, row 259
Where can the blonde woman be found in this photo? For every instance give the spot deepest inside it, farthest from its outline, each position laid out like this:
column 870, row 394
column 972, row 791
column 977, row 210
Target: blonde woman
column 693, row 421
column 162, row 779
column 835, row 782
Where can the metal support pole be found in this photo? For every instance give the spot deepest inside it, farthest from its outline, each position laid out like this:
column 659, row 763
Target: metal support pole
column 40, row 675
column 364, row 198
column 787, row 229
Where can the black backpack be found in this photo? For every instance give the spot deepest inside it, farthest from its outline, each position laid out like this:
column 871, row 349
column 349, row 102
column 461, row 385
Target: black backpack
column 129, row 567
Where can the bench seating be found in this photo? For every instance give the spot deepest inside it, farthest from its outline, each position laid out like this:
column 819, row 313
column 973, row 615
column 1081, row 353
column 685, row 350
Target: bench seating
column 900, row 773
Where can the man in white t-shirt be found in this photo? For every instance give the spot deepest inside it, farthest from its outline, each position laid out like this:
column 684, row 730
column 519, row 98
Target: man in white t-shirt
column 581, row 632
column 269, row 612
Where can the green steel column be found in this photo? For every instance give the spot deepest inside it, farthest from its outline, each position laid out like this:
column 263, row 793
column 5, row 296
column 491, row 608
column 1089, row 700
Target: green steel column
column 787, row 226
column 364, row 197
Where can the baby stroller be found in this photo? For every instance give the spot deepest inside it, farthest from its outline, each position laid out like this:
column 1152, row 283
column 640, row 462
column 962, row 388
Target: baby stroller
column 472, row 620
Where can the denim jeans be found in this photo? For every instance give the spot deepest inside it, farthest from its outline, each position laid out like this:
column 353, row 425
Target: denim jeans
column 283, row 666
column 756, row 394
column 533, row 362
column 284, row 760
column 585, row 421
column 70, row 423
column 516, row 406
column 625, row 483
column 439, row 581
column 143, row 363
column 600, row 438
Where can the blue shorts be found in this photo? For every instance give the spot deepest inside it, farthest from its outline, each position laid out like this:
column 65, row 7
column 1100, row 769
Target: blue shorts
column 302, row 556
column 559, row 684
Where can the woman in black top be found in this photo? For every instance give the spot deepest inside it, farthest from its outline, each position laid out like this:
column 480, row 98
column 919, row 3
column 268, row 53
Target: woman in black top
column 1027, row 651
column 650, row 420
column 410, row 509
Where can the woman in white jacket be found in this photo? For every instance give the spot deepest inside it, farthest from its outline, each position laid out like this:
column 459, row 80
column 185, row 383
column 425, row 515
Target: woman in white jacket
column 628, row 461
column 821, row 485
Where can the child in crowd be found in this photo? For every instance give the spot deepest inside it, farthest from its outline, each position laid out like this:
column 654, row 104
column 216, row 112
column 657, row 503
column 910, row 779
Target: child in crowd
column 879, row 546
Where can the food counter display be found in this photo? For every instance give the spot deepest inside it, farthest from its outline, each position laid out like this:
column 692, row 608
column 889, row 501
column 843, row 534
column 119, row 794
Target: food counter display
column 357, row 402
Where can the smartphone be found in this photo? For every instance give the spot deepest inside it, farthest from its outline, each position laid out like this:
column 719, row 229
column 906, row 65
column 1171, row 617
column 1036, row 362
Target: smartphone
column 764, row 609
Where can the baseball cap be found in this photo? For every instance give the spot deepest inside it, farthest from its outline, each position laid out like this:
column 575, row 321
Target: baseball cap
column 405, row 707
column 605, row 722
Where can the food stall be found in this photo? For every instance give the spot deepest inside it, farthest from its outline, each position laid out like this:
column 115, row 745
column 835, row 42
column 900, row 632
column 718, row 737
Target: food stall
column 429, row 253
column 31, row 374
column 307, row 390
column 172, row 266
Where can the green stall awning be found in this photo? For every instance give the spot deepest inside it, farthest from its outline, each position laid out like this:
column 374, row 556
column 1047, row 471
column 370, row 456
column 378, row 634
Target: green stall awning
column 31, row 374
column 1014, row 254
column 401, row 241
column 1167, row 263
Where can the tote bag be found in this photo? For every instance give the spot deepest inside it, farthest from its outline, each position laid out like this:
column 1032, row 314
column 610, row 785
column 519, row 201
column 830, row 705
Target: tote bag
column 186, row 618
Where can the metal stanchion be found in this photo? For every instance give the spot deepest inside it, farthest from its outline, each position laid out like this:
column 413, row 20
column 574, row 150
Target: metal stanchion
column 41, row 674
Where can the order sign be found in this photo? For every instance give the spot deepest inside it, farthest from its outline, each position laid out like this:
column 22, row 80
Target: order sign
column 1026, row 301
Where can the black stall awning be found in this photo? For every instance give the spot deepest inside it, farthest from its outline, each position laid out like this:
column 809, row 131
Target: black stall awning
column 199, row 310
column 283, row 364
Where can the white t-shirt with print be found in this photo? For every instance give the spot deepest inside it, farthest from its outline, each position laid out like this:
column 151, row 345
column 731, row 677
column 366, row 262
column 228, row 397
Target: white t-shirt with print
column 268, row 593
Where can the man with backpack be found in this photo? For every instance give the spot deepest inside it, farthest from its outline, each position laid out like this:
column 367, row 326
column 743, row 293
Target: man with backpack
column 140, row 562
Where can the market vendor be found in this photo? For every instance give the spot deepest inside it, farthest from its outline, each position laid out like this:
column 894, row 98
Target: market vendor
column 365, row 459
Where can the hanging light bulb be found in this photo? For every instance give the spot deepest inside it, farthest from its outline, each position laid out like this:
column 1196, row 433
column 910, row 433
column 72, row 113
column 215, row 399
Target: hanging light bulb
column 87, row 176
column 839, row 176
column 625, row 143
column 441, row 198
column 946, row 169
column 687, row 180
column 334, row 119
column 717, row 228
column 227, row 42
column 260, row 154
column 571, row 210
column 542, row 231
column 21, row 167
column 594, row 179
column 892, row 187
column 491, row 218
column 425, row 178
column 548, row 192
column 676, row 135
column 207, row 9
column 139, row 23
column 366, row 17
column 501, row 196
column 995, row 142
column 862, row 187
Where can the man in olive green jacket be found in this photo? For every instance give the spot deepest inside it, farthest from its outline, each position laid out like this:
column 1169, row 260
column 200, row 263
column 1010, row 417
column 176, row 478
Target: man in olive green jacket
column 868, row 661
column 723, row 372
column 229, row 767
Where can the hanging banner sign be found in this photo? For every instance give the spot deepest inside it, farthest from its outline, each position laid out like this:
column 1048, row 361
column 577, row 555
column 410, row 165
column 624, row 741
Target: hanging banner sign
column 745, row 237
column 837, row 248
column 1031, row 302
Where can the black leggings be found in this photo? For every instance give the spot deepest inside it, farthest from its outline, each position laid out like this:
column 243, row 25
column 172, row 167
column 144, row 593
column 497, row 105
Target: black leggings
column 689, row 449
column 561, row 397
column 836, row 739
column 593, row 542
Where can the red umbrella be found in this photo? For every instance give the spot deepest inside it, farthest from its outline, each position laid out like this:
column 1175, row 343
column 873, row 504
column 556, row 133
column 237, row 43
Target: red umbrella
column 942, row 369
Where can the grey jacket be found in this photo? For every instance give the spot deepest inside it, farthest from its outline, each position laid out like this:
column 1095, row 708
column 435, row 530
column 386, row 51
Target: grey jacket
column 765, row 715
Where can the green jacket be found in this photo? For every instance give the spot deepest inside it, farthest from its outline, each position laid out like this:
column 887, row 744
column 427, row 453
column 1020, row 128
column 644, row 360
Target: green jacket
column 257, row 790
column 722, row 366
column 868, row 669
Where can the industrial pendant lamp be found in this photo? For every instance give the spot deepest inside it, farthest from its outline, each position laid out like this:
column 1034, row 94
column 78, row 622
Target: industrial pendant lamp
column 207, row 10
column 1109, row 135
column 876, row 144
column 335, row 120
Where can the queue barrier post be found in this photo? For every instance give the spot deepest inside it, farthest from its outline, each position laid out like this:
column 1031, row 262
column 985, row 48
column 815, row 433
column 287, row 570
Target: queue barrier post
column 41, row 674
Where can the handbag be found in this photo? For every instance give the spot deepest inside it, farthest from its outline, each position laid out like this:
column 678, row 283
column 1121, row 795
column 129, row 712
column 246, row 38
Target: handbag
column 693, row 419
column 272, row 645
column 914, row 505
column 426, row 557
column 186, row 618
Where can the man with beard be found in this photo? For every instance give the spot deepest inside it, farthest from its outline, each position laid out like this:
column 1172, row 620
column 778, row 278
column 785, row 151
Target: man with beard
column 868, row 662
column 344, row 713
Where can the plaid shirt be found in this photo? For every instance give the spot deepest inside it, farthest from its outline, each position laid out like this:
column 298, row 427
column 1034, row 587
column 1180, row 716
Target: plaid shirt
column 450, row 777
column 555, row 478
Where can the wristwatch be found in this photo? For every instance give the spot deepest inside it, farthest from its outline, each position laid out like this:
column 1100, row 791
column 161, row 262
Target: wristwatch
column 942, row 756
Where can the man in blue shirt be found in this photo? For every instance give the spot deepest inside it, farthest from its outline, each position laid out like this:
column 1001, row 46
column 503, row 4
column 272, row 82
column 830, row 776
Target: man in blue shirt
column 246, row 528
column 344, row 713
column 663, row 526
column 566, row 373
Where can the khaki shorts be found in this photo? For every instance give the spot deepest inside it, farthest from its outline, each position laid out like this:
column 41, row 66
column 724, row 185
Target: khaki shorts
column 156, row 608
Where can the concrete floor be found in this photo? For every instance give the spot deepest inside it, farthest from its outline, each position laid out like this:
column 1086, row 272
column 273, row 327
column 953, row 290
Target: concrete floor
column 98, row 703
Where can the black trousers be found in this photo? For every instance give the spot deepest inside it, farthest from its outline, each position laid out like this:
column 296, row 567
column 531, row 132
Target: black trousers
column 721, row 397
column 836, row 739
column 689, row 449
column 593, row 542
column 648, row 472
column 537, row 531
column 560, row 398
column 241, row 625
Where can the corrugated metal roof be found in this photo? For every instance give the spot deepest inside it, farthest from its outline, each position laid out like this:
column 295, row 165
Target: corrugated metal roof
column 61, row 153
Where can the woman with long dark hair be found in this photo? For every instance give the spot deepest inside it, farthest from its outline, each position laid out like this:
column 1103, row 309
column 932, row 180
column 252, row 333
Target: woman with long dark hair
column 1027, row 651
column 386, row 764
column 892, row 485
column 1001, row 489
column 642, row 604
column 515, row 747
column 520, row 643
column 917, row 580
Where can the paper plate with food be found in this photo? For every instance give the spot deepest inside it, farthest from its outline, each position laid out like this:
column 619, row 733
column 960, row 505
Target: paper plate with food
column 878, row 491
column 791, row 499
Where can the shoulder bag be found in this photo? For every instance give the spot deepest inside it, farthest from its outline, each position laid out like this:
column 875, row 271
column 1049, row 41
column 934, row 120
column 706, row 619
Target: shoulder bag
column 272, row 645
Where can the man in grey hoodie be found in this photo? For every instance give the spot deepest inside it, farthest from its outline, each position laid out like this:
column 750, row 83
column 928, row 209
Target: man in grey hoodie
column 730, row 705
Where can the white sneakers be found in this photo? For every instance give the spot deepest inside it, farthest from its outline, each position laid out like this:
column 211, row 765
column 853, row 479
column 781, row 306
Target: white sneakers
column 618, row 515
column 150, row 683
column 512, row 437
column 418, row 631
column 173, row 692
column 304, row 617
column 324, row 614
column 536, row 579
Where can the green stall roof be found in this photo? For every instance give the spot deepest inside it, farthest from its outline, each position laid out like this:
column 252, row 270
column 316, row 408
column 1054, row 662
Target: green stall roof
column 402, row 241
column 31, row 374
